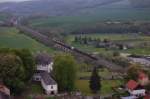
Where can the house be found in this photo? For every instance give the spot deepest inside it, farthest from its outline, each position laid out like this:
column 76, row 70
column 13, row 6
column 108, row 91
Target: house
column 44, row 62
column 143, row 79
column 42, row 74
column 4, row 92
column 48, row 83
column 134, row 90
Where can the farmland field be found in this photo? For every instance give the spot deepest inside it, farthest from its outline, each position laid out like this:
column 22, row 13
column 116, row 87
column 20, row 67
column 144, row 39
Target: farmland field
column 11, row 38
column 127, row 38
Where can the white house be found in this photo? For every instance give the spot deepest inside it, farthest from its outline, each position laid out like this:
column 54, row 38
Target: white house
column 48, row 83
column 44, row 62
column 44, row 67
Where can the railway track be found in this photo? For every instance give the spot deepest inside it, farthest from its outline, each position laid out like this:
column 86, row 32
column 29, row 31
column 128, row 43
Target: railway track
column 48, row 42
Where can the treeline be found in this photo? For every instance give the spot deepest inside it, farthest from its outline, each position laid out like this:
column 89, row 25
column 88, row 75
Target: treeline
column 87, row 40
column 109, row 27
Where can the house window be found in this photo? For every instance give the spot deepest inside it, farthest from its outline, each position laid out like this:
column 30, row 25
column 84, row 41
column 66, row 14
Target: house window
column 51, row 87
column 37, row 79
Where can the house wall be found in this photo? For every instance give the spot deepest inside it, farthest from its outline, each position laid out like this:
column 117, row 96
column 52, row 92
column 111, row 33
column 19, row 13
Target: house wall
column 49, row 88
column 36, row 77
column 140, row 92
column 47, row 68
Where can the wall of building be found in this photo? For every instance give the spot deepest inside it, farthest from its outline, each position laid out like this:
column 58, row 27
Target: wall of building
column 49, row 88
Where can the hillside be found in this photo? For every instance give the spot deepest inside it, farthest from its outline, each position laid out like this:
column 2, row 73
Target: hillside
column 66, row 7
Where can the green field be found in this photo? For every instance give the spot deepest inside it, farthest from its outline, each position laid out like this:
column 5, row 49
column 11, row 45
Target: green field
column 95, row 15
column 103, row 73
column 127, row 38
column 11, row 38
column 83, row 86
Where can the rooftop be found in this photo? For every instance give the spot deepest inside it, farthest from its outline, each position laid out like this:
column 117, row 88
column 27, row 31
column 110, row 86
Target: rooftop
column 48, row 80
column 132, row 85
column 43, row 59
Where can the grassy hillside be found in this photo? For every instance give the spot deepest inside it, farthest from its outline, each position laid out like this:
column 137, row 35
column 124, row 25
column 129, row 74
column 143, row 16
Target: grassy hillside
column 10, row 38
column 94, row 20
column 95, row 15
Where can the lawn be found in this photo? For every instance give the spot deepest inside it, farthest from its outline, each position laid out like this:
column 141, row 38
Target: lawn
column 103, row 73
column 11, row 38
column 83, row 86
column 36, row 89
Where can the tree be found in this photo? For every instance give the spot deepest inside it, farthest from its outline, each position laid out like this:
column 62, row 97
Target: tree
column 133, row 71
column 19, row 64
column 28, row 62
column 12, row 72
column 65, row 72
column 116, row 53
column 95, row 81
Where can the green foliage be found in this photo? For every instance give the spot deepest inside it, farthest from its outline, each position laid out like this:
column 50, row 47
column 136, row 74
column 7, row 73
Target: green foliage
column 28, row 62
column 16, row 68
column 12, row 72
column 133, row 71
column 95, row 81
column 116, row 53
column 65, row 72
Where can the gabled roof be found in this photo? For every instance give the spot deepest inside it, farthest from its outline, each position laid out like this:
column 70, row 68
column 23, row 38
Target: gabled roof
column 147, row 97
column 48, row 80
column 43, row 59
column 132, row 85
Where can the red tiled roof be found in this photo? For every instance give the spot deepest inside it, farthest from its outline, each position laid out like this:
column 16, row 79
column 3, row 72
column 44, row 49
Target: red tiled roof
column 132, row 84
column 142, row 76
column 147, row 97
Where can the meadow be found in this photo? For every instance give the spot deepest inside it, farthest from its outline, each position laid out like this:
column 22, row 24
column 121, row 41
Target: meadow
column 107, row 85
column 11, row 38
column 127, row 38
